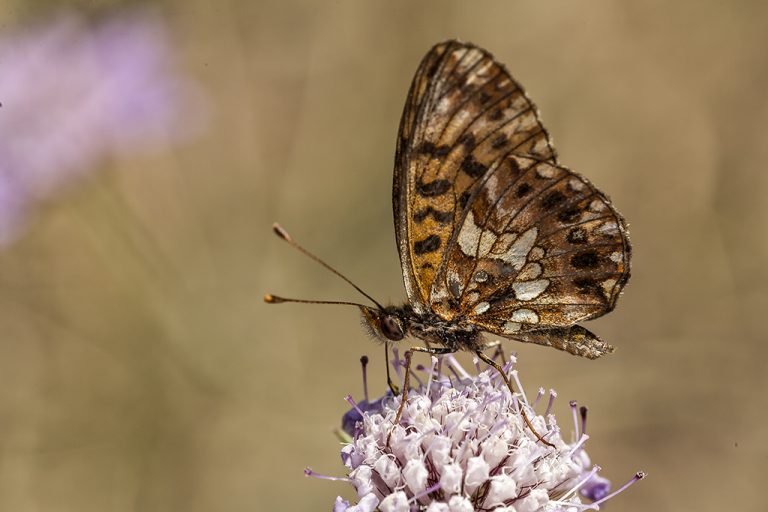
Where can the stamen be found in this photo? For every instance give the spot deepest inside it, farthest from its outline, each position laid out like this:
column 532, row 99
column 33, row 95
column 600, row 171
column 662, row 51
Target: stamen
column 396, row 363
column 552, row 396
column 477, row 365
column 497, row 379
column 519, row 386
column 500, row 353
column 500, row 425
column 577, row 446
column 454, row 364
column 351, row 402
column 638, row 476
column 413, row 374
column 425, row 492
column 581, row 482
column 309, row 472
column 364, row 363
column 583, row 411
column 539, row 396
column 431, row 376
column 439, row 368
column 574, row 413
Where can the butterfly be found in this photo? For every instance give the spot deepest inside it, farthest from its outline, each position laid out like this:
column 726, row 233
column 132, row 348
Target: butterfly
column 494, row 234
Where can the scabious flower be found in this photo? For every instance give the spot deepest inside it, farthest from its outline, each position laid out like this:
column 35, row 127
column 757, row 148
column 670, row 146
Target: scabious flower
column 73, row 94
column 462, row 445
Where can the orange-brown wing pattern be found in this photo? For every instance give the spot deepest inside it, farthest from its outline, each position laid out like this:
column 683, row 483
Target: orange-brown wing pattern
column 464, row 114
column 539, row 247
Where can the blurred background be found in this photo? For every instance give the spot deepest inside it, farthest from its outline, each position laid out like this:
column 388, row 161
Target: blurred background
column 146, row 147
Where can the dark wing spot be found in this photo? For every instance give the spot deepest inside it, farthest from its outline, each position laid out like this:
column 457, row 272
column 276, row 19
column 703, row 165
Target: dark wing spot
column 429, row 244
column 433, row 188
column 468, row 140
column 587, row 259
column 463, row 199
column 496, row 115
column 523, row 189
column 589, row 286
column 472, row 167
column 427, row 148
column 453, row 287
column 440, row 217
column 569, row 215
column 426, row 265
column 577, row 236
column 484, row 97
column 552, row 199
column 500, row 141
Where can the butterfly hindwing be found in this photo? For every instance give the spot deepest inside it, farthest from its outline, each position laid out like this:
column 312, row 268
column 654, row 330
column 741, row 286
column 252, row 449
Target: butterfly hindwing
column 463, row 114
column 539, row 247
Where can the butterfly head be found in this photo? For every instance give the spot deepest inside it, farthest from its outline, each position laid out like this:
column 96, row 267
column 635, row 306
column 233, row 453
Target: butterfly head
column 386, row 324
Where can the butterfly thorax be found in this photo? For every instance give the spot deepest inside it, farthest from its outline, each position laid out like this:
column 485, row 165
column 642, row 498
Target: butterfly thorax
column 393, row 323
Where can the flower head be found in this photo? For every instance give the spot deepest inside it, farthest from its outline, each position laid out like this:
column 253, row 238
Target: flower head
column 462, row 445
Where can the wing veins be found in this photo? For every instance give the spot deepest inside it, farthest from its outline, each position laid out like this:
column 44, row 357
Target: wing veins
column 504, row 229
column 569, row 226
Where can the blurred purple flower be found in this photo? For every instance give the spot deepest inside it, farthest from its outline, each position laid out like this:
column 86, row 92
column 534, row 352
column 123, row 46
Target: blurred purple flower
column 74, row 94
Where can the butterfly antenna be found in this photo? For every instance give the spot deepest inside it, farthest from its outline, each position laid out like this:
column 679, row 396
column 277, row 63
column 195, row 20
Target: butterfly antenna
column 282, row 233
column 274, row 299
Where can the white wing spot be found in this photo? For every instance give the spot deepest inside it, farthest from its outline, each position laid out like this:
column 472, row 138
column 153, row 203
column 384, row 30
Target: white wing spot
column 443, row 105
column 617, row 257
column 597, row 205
column 526, row 316
column 487, row 239
column 469, row 236
column 608, row 228
column 546, row 171
column 503, row 243
column 482, row 308
column 517, row 253
column 607, row 287
column 511, row 327
column 439, row 295
column 473, row 297
column 576, row 184
column 529, row 290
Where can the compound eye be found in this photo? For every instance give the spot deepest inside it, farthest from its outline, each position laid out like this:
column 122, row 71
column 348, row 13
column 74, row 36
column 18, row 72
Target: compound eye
column 391, row 329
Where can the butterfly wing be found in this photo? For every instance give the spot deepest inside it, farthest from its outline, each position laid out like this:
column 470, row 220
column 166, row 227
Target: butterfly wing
column 539, row 249
column 464, row 112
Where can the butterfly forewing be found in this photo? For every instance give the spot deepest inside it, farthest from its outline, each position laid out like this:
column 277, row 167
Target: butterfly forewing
column 464, row 114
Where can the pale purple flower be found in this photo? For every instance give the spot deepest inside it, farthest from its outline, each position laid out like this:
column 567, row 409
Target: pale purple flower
column 74, row 94
column 462, row 446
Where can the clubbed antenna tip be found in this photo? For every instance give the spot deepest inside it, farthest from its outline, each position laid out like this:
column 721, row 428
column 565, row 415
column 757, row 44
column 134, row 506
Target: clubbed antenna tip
column 282, row 233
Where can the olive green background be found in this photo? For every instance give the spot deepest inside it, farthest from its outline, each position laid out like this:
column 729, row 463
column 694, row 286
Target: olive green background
column 141, row 371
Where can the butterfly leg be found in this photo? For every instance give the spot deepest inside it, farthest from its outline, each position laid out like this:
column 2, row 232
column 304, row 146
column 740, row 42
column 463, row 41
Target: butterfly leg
column 499, row 349
column 390, row 383
column 504, row 376
column 407, row 382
